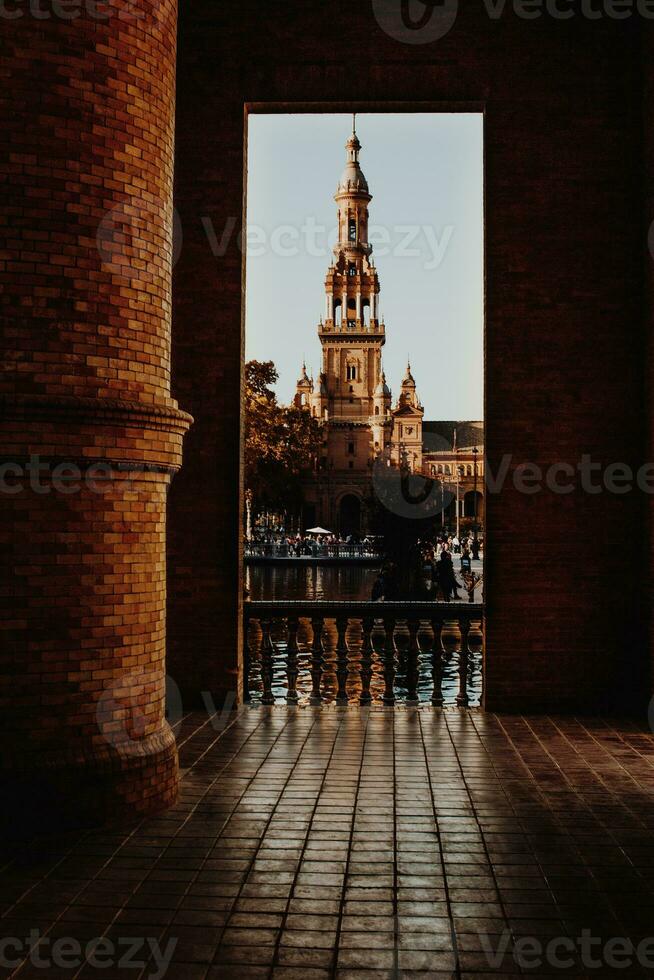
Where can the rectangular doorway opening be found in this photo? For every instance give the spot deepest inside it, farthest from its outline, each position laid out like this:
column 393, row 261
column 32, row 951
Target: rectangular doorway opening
column 364, row 391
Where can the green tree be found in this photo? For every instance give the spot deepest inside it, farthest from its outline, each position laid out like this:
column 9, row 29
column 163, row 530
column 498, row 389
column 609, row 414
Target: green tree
column 281, row 443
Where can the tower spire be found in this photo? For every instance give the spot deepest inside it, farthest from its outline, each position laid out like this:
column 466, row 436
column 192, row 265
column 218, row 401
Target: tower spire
column 352, row 179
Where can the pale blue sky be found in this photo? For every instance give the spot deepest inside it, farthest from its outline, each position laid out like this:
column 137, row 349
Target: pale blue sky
column 425, row 172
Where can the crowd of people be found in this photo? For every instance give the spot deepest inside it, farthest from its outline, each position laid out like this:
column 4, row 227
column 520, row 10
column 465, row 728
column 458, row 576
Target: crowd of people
column 468, row 542
column 278, row 542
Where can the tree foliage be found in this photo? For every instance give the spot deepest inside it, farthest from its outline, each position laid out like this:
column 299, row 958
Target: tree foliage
column 281, row 442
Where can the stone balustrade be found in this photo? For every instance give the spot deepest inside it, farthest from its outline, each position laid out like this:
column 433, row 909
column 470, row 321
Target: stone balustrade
column 392, row 638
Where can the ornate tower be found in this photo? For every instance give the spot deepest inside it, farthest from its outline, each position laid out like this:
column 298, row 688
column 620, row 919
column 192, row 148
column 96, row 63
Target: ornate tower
column 352, row 398
column 352, row 336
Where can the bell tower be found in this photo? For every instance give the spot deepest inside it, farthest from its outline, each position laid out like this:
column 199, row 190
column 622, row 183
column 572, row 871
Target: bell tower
column 351, row 397
column 352, row 335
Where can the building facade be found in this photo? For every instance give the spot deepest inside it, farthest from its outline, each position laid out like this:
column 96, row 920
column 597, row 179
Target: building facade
column 453, row 454
column 351, row 397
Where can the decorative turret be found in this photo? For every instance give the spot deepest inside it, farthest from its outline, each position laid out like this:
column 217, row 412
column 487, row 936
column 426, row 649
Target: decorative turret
column 303, row 389
column 408, row 394
column 406, row 443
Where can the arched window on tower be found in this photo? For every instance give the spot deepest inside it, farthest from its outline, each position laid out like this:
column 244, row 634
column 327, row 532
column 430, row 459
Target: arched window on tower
column 376, row 409
column 351, row 314
column 352, row 230
column 338, row 313
column 365, row 312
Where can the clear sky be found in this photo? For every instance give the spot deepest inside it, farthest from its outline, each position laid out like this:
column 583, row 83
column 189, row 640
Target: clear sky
column 425, row 172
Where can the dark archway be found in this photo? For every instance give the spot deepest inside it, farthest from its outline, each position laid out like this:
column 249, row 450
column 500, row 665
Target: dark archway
column 349, row 512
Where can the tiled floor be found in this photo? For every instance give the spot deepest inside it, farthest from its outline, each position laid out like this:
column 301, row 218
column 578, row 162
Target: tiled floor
column 352, row 843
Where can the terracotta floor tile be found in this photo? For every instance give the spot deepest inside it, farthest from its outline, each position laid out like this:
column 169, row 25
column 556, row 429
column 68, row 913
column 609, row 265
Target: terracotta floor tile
column 397, row 843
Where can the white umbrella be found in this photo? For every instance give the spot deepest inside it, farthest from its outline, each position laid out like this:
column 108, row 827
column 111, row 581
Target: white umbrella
column 317, row 530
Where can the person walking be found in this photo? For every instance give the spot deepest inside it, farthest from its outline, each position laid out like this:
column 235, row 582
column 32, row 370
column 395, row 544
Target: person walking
column 446, row 577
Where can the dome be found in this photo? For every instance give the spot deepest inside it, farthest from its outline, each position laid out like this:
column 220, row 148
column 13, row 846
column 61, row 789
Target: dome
column 352, row 178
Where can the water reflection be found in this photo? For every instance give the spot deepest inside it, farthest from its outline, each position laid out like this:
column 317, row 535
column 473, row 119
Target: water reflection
column 309, row 581
column 450, row 638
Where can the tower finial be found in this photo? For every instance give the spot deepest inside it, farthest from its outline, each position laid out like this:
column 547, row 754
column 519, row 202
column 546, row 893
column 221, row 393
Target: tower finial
column 354, row 123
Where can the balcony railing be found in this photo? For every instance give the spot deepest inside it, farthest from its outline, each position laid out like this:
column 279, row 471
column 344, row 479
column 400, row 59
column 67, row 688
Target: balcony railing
column 364, row 652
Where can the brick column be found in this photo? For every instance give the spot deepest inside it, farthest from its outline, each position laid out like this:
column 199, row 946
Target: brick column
column 89, row 435
column 647, row 553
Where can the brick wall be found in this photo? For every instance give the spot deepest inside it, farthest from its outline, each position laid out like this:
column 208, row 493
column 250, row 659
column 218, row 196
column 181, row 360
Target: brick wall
column 564, row 344
column 87, row 108
column 647, row 232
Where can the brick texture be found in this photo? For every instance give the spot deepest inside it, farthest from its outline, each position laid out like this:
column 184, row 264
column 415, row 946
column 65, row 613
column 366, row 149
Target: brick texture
column 87, row 108
column 564, row 343
column 647, row 218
